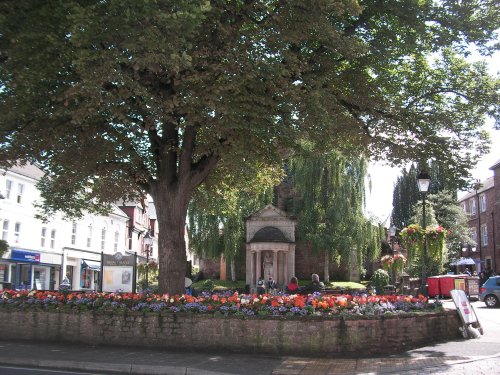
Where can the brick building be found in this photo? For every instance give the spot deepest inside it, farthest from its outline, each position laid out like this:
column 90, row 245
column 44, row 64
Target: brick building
column 482, row 206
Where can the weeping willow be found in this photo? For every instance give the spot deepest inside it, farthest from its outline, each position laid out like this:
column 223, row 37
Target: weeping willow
column 330, row 211
column 217, row 221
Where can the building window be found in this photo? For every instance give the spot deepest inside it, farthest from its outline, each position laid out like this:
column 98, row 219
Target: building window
column 20, row 190
column 484, row 234
column 482, row 203
column 5, row 230
column 17, row 231
column 464, row 207
column 73, row 234
column 473, row 209
column 52, row 238
column 43, row 237
column 473, row 235
column 488, row 263
column 89, row 236
column 115, row 246
column 103, row 239
column 139, row 215
column 8, row 188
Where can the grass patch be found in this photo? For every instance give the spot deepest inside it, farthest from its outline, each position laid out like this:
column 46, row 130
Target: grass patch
column 240, row 284
column 219, row 284
column 345, row 285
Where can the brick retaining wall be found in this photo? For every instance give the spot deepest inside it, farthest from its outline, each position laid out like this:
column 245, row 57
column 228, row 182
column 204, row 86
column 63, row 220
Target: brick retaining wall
column 272, row 335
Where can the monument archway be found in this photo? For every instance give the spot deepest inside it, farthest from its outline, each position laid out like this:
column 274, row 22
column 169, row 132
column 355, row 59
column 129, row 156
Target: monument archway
column 270, row 246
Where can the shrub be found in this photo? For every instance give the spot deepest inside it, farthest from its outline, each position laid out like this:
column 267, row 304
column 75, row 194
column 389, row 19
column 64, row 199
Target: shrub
column 208, row 284
column 380, row 279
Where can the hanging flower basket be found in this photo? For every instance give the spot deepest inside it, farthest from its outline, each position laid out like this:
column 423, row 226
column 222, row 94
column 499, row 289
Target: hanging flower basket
column 398, row 263
column 386, row 261
column 413, row 240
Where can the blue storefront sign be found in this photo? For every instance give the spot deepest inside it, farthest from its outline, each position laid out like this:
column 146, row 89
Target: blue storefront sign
column 25, row 256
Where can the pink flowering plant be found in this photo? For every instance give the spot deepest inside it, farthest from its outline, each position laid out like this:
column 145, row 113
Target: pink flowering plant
column 387, row 261
column 398, row 263
column 225, row 304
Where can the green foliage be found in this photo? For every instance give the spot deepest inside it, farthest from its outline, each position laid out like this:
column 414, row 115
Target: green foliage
column 330, row 204
column 451, row 216
column 379, row 279
column 219, row 285
column 113, row 102
column 208, row 284
column 406, row 194
column 216, row 218
column 4, row 247
column 413, row 240
column 152, row 270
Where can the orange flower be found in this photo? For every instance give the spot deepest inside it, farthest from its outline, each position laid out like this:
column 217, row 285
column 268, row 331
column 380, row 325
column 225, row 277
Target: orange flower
column 299, row 303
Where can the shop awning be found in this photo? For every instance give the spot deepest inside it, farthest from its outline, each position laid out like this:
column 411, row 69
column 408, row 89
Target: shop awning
column 465, row 261
column 96, row 266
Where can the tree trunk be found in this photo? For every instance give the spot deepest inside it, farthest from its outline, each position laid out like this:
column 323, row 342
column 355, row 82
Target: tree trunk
column 171, row 211
column 327, row 268
column 233, row 270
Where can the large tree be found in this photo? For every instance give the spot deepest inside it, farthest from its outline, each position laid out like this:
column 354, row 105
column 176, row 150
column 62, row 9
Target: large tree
column 121, row 98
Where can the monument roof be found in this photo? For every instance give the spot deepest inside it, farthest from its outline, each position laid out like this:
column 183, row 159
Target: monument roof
column 269, row 234
column 270, row 211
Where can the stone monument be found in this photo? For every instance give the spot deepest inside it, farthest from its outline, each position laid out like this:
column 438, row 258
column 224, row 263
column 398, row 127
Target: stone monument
column 270, row 246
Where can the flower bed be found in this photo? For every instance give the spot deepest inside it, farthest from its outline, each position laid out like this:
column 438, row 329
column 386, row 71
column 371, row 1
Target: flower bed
column 326, row 324
column 228, row 303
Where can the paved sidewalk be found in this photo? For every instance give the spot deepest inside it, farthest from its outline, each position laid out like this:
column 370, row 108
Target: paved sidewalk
column 112, row 360
column 462, row 356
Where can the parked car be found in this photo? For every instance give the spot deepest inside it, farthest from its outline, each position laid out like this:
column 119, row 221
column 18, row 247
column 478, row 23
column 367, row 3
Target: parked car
column 489, row 293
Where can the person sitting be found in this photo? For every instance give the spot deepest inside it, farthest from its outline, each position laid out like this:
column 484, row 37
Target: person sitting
column 271, row 285
column 467, row 272
column 315, row 284
column 293, row 285
column 260, row 286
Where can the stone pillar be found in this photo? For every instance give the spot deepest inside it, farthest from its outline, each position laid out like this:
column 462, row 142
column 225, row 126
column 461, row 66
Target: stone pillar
column 285, row 268
column 275, row 265
column 253, row 282
column 258, row 266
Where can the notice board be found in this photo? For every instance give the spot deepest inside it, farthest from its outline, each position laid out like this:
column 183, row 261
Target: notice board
column 464, row 308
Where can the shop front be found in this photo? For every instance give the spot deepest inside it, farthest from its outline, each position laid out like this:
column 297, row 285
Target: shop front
column 82, row 268
column 27, row 269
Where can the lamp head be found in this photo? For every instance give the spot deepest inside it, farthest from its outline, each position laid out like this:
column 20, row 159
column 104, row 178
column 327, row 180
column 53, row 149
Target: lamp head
column 148, row 240
column 423, row 181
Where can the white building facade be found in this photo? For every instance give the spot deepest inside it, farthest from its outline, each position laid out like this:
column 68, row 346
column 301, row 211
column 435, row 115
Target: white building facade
column 41, row 254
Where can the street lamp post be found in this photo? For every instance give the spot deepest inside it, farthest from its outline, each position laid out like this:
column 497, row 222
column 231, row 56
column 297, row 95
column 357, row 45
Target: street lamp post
column 148, row 242
column 423, row 181
column 392, row 234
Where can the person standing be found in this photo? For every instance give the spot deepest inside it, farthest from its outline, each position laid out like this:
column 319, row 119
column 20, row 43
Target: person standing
column 482, row 278
column 260, row 286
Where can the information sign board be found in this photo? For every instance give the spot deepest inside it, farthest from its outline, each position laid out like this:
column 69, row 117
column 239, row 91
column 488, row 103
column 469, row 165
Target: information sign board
column 118, row 272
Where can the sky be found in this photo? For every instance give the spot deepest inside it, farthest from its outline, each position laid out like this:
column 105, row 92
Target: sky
column 383, row 177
